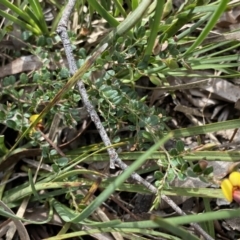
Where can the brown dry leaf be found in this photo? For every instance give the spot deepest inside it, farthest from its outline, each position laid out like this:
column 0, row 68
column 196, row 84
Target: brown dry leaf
column 84, row 31
column 22, row 64
column 220, row 168
column 157, row 48
column 188, row 110
column 222, row 89
column 102, row 236
column 29, row 63
column 188, row 183
column 40, row 214
column 230, row 20
column 226, row 20
column 23, row 234
column 133, row 147
column 233, row 223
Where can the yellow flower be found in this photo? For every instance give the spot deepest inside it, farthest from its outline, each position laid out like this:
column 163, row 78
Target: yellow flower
column 231, row 187
column 39, row 125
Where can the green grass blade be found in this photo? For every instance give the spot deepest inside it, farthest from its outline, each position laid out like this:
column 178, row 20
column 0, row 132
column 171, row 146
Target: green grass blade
column 32, row 184
column 128, row 23
column 154, row 29
column 119, row 8
column 20, row 13
column 210, row 224
column 212, row 22
column 3, row 148
column 124, row 231
column 15, row 9
column 36, row 8
column 19, row 193
column 182, row 220
column 24, row 25
column 56, row 21
column 176, row 25
column 104, row 13
column 134, row 4
column 34, row 17
column 191, row 156
column 213, row 127
column 184, row 234
column 195, row 26
column 38, row 13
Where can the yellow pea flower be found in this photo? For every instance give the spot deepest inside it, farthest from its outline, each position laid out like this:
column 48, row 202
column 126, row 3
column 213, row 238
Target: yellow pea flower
column 39, row 125
column 231, row 187
column 227, row 189
column 234, row 178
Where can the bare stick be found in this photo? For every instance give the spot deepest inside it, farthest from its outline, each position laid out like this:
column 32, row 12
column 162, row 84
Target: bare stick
column 62, row 31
